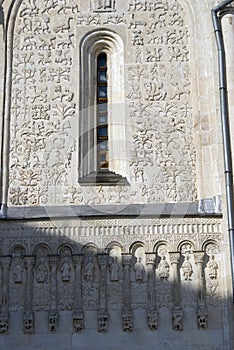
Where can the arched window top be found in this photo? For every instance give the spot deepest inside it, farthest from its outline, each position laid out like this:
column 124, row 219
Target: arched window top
column 101, row 40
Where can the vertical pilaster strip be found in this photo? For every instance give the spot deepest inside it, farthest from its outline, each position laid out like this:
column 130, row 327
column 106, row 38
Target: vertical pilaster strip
column 177, row 312
column 102, row 314
column 28, row 314
column 152, row 316
column 202, row 314
column 127, row 317
column 199, row 261
column 4, row 315
column 53, row 313
column 78, row 315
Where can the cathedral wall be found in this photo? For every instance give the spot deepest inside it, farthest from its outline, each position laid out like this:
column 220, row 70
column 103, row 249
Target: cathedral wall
column 140, row 264
column 166, row 150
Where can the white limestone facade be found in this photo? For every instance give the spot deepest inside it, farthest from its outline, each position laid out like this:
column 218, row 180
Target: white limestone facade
column 136, row 256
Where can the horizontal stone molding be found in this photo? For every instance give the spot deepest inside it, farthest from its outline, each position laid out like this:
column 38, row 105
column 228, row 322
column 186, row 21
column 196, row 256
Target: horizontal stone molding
column 186, row 209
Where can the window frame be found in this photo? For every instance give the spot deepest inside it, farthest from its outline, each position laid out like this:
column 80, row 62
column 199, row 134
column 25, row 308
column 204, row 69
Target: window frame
column 93, row 44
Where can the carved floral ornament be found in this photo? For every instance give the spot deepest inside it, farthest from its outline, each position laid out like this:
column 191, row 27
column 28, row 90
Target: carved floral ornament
column 44, row 102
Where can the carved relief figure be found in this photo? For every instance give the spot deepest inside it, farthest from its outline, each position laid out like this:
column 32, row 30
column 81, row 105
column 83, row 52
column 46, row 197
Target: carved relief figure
column 139, row 271
column 66, row 271
column 89, row 273
column 41, row 273
column 212, row 268
column 163, row 269
column 114, row 270
column 187, row 269
column 18, row 274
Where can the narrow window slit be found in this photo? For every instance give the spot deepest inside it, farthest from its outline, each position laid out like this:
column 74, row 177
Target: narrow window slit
column 102, row 112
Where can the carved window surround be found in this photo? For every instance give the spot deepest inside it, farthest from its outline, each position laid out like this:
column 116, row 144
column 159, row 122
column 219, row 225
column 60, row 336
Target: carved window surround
column 94, row 43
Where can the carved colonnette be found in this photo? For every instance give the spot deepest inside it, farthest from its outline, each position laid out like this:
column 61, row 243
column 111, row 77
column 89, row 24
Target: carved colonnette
column 127, row 316
column 78, row 315
column 152, row 314
column 28, row 314
column 65, row 270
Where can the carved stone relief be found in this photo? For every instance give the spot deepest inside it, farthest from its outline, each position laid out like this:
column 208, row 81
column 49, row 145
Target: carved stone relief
column 41, row 283
column 17, row 280
column 65, row 280
column 188, row 274
column 44, row 110
column 211, row 273
column 63, row 274
column 91, row 276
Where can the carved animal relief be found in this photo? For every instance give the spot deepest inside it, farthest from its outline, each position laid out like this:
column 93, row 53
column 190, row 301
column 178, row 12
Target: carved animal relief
column 44, row 113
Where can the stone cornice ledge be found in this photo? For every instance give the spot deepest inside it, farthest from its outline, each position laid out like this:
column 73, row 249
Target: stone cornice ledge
column 203, row 208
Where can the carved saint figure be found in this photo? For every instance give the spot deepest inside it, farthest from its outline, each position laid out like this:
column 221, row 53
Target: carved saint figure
column 65, row 271
column 18, row 274
column 114, row 270
column 187, row 269
column 163, row 269
column 139, row 271
column 41, row 273
column 212, row 268
column 89, row 271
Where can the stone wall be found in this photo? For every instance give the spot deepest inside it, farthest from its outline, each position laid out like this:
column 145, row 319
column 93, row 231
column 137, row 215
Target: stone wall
column 95, row 282
column 140, row 264
column 46, row 107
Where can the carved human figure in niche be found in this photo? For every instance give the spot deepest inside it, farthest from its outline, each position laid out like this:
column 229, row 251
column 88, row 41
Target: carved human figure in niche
column 163, row 269
column 139, row 271
column 212, row 268
column 89, row 272
column 66, row 271
column 114, row 270
column 41, row 273
column 18, row 274
column 187, row 269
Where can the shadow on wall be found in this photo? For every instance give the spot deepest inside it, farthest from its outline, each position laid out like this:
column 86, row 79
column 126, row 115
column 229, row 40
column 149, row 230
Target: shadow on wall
column 57, row 285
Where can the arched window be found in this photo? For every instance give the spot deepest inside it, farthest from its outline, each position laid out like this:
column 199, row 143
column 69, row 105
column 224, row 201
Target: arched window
column 102, row 112
column 102, row 141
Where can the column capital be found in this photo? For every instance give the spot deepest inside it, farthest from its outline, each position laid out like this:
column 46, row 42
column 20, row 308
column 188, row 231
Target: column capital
column 150, row 258
column 127, row 259
column 174, row 257
column 29, row 261
column 5, row 261
column 103, row 259
column 53, row 260
column 199, row 257
column 77, row 259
